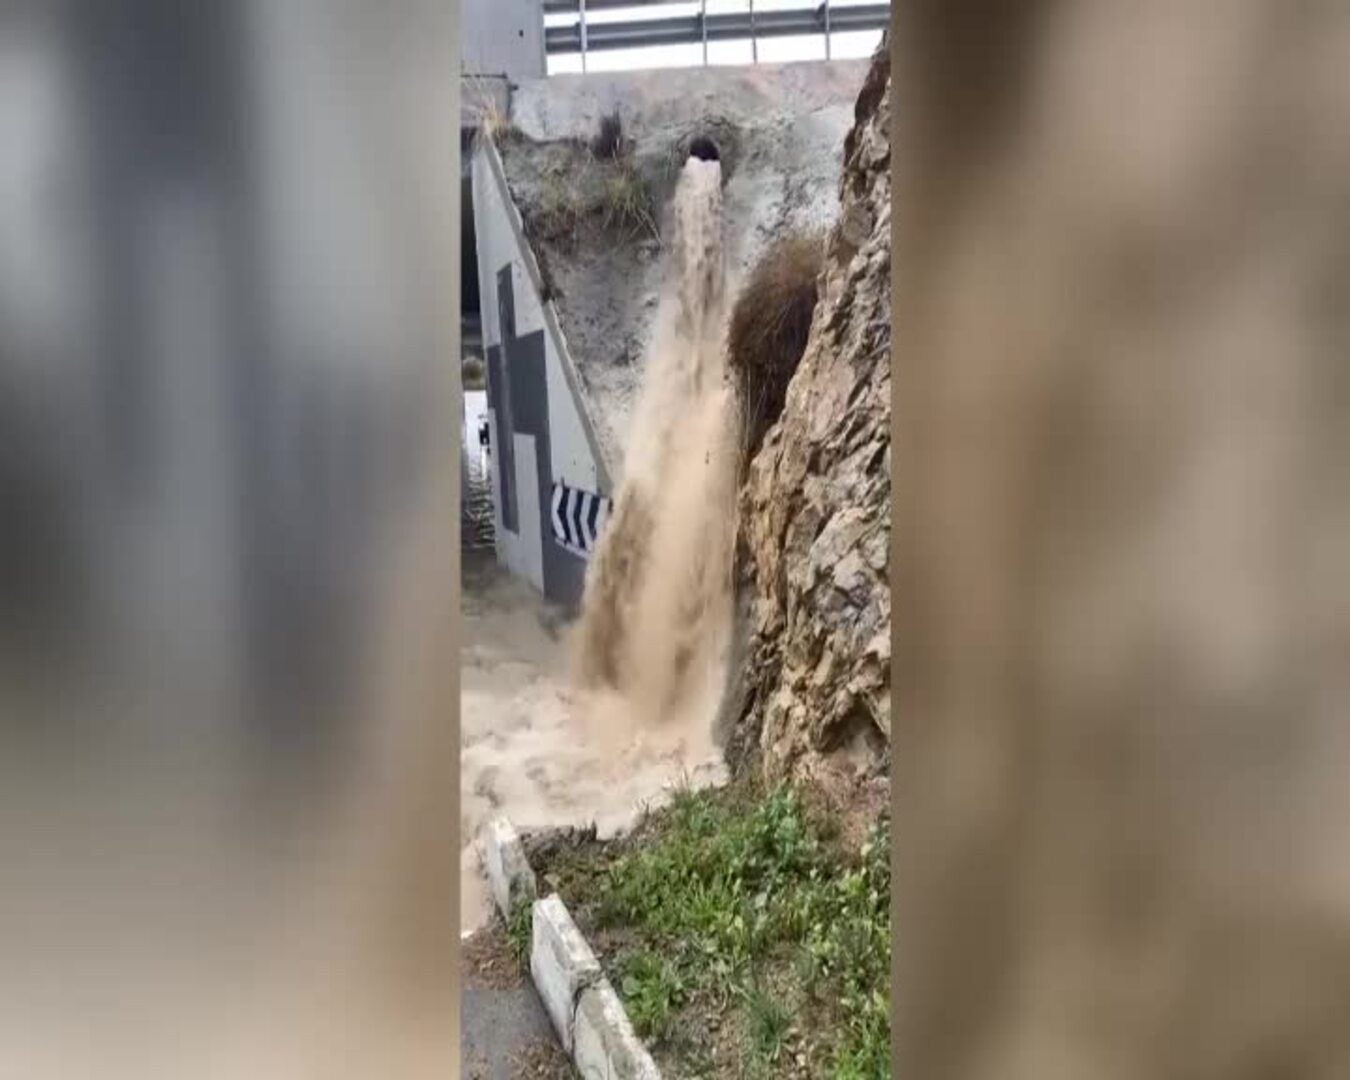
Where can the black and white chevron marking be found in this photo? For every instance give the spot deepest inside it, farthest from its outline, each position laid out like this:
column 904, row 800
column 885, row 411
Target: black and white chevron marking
column 578, row 516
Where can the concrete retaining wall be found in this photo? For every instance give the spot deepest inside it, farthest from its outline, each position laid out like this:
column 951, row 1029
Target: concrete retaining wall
column 541, row 431
column 652, row 102
column 502, row 38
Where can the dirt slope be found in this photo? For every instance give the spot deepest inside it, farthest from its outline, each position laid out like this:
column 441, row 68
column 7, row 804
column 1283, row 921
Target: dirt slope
column 598, row 227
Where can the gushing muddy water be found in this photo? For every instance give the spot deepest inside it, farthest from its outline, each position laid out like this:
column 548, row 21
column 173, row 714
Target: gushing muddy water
column 571, row 725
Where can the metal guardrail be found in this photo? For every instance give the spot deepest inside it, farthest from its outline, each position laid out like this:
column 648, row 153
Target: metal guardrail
column 564, row 7
column 584, row 37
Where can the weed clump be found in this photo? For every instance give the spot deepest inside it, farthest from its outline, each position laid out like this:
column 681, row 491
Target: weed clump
column 519, row 930
column 743, row 906
column 627, row 203
column 611, row 195
column 557, row 213
column 485, row 100
column 769, row 328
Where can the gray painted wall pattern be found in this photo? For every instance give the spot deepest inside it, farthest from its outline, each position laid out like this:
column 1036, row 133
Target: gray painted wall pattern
column 518, row 392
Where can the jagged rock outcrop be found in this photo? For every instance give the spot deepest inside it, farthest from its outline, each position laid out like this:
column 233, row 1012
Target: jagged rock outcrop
column 814, row 541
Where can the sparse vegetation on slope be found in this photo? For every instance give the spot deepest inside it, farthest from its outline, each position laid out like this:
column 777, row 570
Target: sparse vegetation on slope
column 596, row 186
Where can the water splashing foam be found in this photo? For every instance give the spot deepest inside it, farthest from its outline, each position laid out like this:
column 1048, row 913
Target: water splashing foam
column 656, row 615
column 550, row 746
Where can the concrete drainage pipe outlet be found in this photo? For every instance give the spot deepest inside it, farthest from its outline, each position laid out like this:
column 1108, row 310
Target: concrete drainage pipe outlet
column 703, row 148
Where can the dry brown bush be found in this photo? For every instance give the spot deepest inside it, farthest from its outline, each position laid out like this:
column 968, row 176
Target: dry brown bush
column 769, row 328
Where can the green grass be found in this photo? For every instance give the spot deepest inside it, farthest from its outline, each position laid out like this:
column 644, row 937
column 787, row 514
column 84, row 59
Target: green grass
column 653, row 989
column 518, row 931
column 741, row 903
column 769, row 1024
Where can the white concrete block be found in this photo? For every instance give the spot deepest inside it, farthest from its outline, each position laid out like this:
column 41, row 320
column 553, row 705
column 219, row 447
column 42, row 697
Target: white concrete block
column 606, row 1047
column 508, row 871
column 561, row 964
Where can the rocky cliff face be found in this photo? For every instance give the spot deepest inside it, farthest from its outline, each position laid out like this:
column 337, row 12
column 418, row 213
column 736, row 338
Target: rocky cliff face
column 815, row 508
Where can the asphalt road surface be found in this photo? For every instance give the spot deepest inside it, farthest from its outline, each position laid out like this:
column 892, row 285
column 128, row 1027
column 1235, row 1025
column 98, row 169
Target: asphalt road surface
column 504, row 1032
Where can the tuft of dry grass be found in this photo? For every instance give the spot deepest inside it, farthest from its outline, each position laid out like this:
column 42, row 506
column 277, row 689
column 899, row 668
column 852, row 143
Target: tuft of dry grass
column 495, row 123
column 769, row 328
column 610, row 195
column 559, row 211
column 627, row 202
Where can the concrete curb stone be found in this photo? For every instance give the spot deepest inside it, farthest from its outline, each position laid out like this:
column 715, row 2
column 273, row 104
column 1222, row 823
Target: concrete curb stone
column 582, row 1005
column 605, row 1045
column 561, row 963
column 508, row 871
